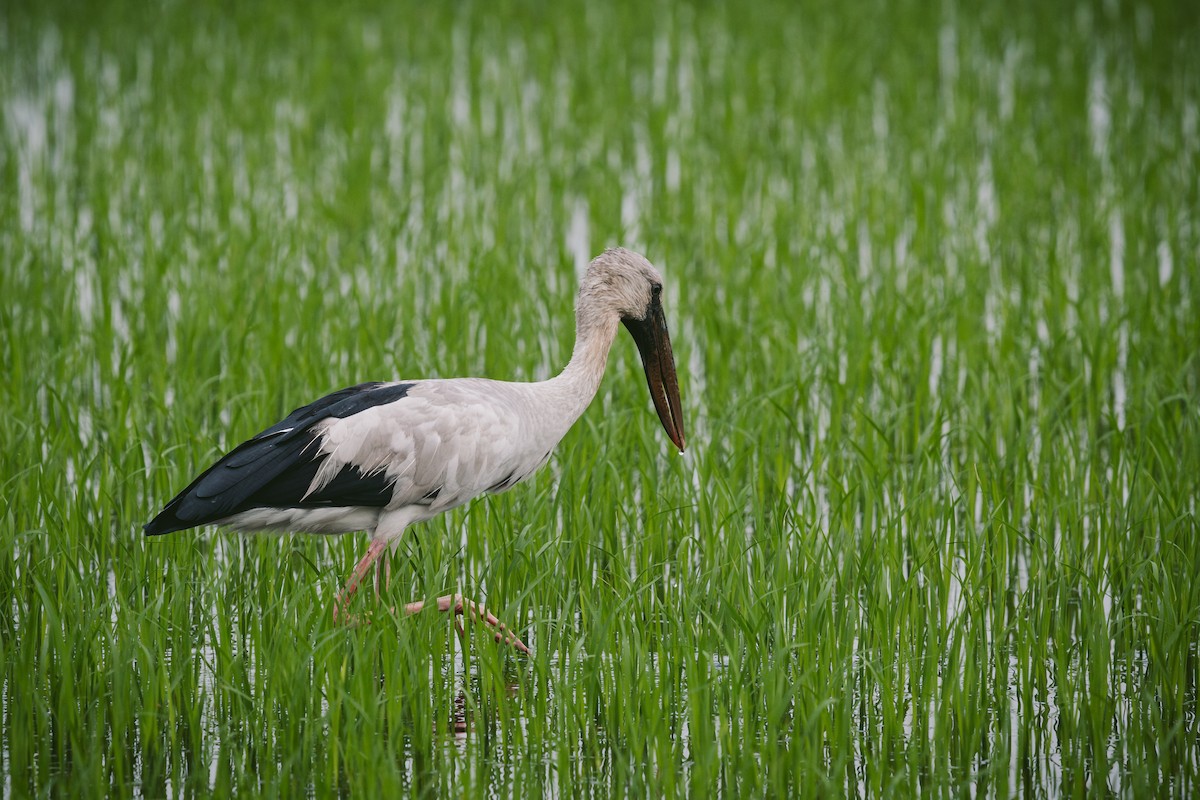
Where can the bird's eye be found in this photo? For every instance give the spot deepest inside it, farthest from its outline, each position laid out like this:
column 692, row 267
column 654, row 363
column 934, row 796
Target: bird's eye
column 656, row 288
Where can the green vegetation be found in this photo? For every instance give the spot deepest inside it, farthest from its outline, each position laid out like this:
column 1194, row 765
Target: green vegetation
column 935, row 299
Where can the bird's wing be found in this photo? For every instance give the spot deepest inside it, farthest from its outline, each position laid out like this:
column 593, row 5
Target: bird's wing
column 279, row 465
column 448, row 441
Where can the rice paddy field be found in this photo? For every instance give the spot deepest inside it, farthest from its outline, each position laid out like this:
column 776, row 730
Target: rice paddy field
column 932, row 282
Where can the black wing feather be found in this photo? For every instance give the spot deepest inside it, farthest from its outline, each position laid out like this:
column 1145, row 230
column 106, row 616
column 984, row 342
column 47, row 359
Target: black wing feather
column 276, row 467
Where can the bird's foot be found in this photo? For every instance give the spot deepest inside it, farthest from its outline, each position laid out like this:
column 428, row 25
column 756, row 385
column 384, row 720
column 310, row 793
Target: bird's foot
column 462, row 607
column 342, row 614
column 449, row 603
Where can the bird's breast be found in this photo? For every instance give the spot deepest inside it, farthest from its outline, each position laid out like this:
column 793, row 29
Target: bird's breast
column 445, row 442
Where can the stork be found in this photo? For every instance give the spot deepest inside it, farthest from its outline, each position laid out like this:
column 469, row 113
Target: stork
column 379, row 457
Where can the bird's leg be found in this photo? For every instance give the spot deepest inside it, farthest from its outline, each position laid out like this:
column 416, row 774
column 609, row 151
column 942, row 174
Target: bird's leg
column 383, row 565
column 343, row 602
column 450, row 603
column 462, row 607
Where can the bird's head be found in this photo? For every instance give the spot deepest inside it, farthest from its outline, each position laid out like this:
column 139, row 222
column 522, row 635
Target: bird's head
column 624, row 284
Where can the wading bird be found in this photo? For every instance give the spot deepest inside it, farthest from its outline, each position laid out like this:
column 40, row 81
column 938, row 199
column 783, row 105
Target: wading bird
column 379, row 457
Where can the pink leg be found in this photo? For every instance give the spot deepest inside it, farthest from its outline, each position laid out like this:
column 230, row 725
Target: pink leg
column 455, row 603
column 383, row 566
column 373, row 552
column 461, row 607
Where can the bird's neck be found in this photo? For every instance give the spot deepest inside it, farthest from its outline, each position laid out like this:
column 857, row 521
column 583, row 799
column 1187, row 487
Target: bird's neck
column 579, row 381
column 594, row 336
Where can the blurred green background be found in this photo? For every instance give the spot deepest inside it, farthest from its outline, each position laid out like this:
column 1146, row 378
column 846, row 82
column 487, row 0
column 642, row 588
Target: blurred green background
column 932, row 285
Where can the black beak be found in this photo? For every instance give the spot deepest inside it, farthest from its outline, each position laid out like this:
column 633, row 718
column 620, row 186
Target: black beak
column 654, row 344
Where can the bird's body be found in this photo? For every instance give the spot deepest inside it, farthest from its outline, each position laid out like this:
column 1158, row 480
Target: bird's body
column 379, row 457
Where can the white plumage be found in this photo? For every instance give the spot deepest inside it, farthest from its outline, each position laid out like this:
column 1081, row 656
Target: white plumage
column 380, row 457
